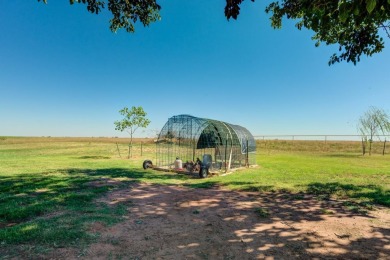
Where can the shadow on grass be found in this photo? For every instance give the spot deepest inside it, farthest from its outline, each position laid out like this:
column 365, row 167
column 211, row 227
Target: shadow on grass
column 236, row 185
column 365, row 194
column 203, row 185
column 96, row 157
column 344, row 155
column 134, row 174
column 372, row 193
column 24, row 196
column 49, row 208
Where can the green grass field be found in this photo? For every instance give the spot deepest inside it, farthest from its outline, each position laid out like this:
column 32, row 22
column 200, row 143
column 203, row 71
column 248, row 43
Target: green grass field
column 49, row 186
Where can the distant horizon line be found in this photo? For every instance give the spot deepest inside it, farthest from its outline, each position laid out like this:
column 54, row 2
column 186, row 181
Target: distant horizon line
column 257, row 136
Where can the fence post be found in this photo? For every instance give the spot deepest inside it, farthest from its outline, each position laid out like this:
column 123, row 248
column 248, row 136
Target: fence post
column 247, row 153
column 226, row 154
column 325, row 143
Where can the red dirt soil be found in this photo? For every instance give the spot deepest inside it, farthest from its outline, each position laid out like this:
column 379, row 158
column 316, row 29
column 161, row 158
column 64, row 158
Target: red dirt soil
column 171, row 222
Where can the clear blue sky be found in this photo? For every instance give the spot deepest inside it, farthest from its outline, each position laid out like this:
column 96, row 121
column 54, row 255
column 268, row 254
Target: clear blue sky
column 64, row 73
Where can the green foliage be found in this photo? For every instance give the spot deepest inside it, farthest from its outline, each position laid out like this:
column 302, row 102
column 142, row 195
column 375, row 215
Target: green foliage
column 133, row 119
column 125, row 13
column 232, row 8
column 370, row 5
column 352, row 24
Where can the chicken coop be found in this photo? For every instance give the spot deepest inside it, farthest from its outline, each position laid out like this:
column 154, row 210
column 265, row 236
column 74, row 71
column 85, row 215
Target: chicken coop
column 226, row 145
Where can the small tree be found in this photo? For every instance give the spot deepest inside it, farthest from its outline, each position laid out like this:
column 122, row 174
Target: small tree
column 383, row 122
column 374, row 122
column 133, row 119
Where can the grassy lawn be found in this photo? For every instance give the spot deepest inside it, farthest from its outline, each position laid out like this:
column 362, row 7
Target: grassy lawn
column 49, row 186
column 348, row 176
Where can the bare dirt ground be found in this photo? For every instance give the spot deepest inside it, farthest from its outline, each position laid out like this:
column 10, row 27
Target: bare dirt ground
column 171, row 222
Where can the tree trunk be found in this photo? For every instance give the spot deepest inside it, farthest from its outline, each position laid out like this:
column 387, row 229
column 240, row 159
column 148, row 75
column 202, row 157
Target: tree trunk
column 384, row 147
column 363, row 147
column 369, row 151
column 130, row 147
column 117, row 147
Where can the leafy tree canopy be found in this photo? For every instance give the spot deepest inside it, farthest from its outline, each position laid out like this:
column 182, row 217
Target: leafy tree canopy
column 132, row 119
column 374, row 122
column 125, row 12
column 352, row 24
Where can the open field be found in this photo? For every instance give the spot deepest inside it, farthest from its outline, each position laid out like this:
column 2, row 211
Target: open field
column 71, row 197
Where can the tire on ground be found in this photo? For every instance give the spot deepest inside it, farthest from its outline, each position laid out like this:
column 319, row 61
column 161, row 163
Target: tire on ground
column 203, row 172
column 147, row 164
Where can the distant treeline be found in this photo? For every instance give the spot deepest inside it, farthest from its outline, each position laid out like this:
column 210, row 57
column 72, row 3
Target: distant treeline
column 317, row 146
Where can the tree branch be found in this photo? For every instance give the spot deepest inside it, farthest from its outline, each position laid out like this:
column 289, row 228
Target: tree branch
column 386, row 28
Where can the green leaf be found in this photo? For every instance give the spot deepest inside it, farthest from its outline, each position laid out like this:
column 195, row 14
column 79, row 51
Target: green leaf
column 356, row 11
column 370, row 5
column 343, row 16
column 343, row 12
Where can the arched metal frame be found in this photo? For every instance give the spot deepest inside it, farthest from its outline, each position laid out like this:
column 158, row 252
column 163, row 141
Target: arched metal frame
column 189, row 137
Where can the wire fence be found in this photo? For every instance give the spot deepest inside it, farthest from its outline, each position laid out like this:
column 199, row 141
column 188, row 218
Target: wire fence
column 323, row 143
column 332, row 144
column 320, row 137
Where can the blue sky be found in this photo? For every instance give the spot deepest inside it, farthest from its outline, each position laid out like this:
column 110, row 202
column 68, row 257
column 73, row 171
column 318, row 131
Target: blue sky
column 64, row 73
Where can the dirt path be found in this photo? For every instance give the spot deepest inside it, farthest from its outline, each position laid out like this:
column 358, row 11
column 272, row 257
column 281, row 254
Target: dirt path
column 170, row 222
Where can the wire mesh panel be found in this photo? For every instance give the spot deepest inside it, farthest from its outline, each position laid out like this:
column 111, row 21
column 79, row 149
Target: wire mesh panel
column 189, row 138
